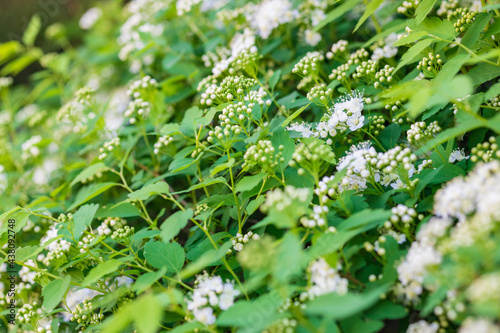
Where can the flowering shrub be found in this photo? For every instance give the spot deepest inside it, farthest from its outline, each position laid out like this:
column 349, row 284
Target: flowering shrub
column 254, row 166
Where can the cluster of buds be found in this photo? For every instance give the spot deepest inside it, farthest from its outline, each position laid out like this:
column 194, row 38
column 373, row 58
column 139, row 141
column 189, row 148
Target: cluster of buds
column 246, row 61
column 200, row 208
column 388, row 161
column 224, row 135
column 358, row 57
column 257, row 96
column 316, row 218
column 408, row 7
column 236, row 113
column 384, row 76
column 109, row 225
column 125, row 298
column 419, row 133
column 140, row 88
column 341, row 74
column 137, row 109
column 369, row 247
column 198, row 150
column 310, row 157
column 108, row 146
column 28, row 313
column 395, row 105
column 485, row 151
column 320, row 95
column 58, row 254
column 281, row 200
column 465, row 17
column 377, row 122
column 430, row 65
column 84, row 95
column 447, row 7
column 309, row 65
column 338, row 50
column 85, row 242
column 162, row 142
column 232, row 87
column 366, row 71
column 210, row 58
column 263, row 156
column 239, row 240
column 425, row 164
column 123, row 233
column 327, row 189
column 285, row 325
column 84, row 314
column 404, row 215
column 494, row 102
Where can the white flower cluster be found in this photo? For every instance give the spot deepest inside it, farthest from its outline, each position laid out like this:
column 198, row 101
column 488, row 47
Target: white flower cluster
column 325, row 279
column 242, row 45
column 5, row 81
column 344, row 115
column 457, row 155
column 269, row 14
column 388, row 50
column 139, row 25
column 239, row 240
column 108, row 146
column 423, row 327
column 404, row 214
column 209, row 293
column 478, row 325
column 90, row 17
column 29, row 147
column 388, row 163
column 358, row 168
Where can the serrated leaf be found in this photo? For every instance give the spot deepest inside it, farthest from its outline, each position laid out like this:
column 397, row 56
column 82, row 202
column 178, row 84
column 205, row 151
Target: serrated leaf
column 101, row 270
column 83, row 218
column 370, row 9
column 174, row 224
column 88, row 172
column 390, row 135
column 206, row 182
column 146, row 280
column 249, row 182
column 53, row 292
column 423, row 9
column 147, row 191
column 89, row 192
column 168, row 255
column 413, row 53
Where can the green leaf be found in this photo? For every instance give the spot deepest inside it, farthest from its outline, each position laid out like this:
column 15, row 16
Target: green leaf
column 189, row 327
column 147, row 191
column 121, row 209
column 249, row 182
column 206, row 182
column 88, row 172
column 370, row 9
column 289, row 259
column 54, row 292
column 390, row 135
column 472, row 35
column 89, row 192
column 413, row 53
column 423, row 9
column 205, row 260
column 294, row 115
column 28, row 252
column 174, row 224
column 335, row 306
column 274, row 79
column 483, row 72
column 83, row 218
column 336, row 13
column 146, row 280
column 32, row 30
column 103, row 269
column 147, row 314
column 165, row 255
column 282, row 137
column 386, row 310
column 243, row 314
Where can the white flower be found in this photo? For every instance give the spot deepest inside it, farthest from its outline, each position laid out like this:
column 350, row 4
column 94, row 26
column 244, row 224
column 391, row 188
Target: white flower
column 478, row 325
column 457, row 155
column 423, row 327
column 325, row 279
column 311, row 37
column 269, row 14
column 90, row 17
